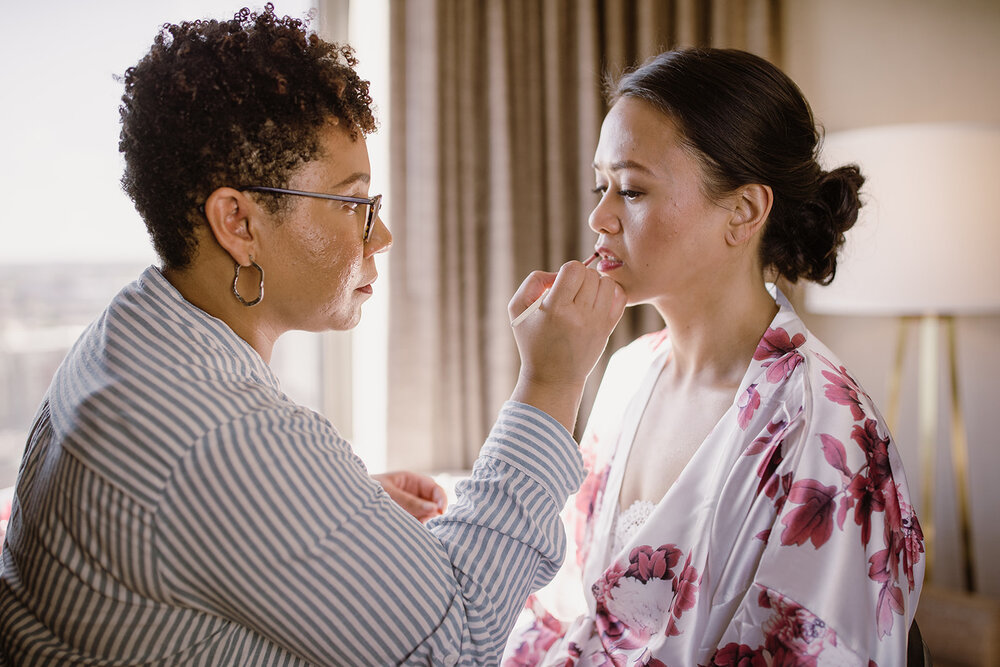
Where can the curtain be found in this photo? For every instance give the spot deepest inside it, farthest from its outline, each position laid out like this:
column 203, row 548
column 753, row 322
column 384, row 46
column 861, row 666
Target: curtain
column 495, row 115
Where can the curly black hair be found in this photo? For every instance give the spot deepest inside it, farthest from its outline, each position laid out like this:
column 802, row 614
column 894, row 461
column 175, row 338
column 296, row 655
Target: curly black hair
column 229, row 103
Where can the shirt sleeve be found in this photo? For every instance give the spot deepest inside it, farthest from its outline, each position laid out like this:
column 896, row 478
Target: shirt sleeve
column 273, row 522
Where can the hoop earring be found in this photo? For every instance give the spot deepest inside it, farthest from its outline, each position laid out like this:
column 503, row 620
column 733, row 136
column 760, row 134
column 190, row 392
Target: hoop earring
column 260, row 289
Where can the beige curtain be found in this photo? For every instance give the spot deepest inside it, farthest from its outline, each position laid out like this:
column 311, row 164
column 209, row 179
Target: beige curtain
column 495, row 114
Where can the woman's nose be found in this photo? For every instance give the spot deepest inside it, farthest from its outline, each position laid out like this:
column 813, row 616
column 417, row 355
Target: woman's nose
column 604, row 218
column 380, row 239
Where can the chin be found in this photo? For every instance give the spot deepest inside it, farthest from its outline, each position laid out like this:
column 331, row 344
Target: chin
column 348, row 322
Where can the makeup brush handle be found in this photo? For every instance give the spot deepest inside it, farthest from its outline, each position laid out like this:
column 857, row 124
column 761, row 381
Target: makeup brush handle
column 536, row 304
column 529, row 310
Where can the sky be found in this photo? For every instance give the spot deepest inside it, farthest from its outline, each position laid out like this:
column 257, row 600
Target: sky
column 59, row 176
column 60, row 195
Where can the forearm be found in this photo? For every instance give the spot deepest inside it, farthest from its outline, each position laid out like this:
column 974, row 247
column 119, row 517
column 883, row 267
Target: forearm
column 504, row 535
column 340, row 555
column 560, row 401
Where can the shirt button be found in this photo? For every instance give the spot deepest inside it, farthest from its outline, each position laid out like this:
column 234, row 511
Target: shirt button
column 451, row 660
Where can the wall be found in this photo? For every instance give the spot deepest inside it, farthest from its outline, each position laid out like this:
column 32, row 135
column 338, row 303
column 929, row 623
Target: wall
column 863, row 63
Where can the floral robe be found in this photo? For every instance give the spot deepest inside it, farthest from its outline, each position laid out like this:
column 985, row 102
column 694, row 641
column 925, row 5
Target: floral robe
column 788, row 539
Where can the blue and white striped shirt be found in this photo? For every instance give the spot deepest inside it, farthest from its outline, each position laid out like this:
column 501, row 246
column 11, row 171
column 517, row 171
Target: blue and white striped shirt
column 175, row 507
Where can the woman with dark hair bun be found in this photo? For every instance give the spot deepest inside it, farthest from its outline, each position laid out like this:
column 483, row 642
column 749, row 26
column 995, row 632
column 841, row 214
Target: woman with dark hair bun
column 745, row 503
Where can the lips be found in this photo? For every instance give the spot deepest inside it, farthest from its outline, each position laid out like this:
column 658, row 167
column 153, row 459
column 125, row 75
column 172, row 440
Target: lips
column 608, row 261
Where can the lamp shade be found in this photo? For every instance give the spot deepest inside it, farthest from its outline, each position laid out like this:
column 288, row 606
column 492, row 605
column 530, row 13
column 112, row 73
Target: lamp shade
column 927, row 239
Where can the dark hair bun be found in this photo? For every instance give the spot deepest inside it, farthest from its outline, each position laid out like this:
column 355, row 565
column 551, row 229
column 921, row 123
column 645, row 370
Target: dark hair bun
column 808, row 248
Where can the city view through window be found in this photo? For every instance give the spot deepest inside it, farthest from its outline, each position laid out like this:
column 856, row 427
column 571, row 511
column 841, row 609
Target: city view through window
column 45, row 308
column 72, row 239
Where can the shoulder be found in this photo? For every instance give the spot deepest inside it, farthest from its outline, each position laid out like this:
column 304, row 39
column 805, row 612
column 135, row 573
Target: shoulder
column 835, row 397
column 277, row 434
column 794, row 373
column 623, row 377
column 272, row 454
column 792, row 362
column 635, row 357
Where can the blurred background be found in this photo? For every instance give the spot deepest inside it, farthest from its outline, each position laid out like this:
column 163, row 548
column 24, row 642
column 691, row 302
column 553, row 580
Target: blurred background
column 490, row 112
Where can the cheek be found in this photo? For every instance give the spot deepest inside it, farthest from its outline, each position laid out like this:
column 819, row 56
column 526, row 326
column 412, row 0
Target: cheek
column 651, row 236
column 333, row 261
column 340, row 270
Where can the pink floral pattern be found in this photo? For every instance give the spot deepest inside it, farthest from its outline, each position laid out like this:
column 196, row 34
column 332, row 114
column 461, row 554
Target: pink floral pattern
column 780, row 353
column 792, row 636
column 588, row 498
column 748, row 403
column 738, row 655
column 799, row 482
column 870, row 490
column 617, row 592
column 843, row 389
column 5, row 510
column 543, row 632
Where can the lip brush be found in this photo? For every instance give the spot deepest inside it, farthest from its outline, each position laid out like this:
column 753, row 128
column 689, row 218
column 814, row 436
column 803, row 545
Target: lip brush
column 538, row 302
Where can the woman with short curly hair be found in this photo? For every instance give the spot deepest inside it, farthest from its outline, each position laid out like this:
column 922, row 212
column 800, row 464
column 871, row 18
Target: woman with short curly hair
column 229, row 103
column 173, row 505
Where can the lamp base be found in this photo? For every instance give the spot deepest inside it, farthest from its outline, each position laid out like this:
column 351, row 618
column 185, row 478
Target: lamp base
column 927, row 408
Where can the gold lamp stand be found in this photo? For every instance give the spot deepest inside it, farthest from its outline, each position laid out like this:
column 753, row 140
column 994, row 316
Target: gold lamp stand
column 928, row 407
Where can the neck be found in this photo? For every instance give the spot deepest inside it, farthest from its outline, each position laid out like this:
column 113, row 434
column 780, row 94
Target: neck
column 714, row 334
column 207, row 283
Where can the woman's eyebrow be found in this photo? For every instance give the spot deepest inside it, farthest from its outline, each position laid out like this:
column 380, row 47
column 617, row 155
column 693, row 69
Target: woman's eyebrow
column 625, row 164
column 356, row 176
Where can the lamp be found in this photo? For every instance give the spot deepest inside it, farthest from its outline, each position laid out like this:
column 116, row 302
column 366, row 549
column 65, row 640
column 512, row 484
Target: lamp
column 923, row 250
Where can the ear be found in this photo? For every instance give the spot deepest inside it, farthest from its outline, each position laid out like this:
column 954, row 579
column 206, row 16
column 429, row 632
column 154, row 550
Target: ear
column 753, row 205
column 228, row 212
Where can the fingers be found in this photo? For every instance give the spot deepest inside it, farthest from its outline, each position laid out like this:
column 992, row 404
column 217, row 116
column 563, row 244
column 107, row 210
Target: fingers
column 528, row 293
column 418, row 494
column 440, row 498
column 420, row 509
column 429, row 490
column 586, row 289
column 610, row 299
column 571, row 278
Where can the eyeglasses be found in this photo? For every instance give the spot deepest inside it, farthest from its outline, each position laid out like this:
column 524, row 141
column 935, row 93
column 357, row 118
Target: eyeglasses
column 373, row 204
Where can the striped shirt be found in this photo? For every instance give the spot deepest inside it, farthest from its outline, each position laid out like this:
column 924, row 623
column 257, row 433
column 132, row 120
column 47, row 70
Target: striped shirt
column 174, row 507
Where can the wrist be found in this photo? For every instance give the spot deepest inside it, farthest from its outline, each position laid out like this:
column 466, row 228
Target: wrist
column 559, row 398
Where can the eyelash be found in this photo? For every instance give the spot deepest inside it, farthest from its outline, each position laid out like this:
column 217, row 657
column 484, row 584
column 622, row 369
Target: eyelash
column 627, row 194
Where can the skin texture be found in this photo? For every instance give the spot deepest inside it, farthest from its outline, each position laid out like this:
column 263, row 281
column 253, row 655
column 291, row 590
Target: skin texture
column 696, row 260
column 668, row 244
column 653, row 210
column 318, row 272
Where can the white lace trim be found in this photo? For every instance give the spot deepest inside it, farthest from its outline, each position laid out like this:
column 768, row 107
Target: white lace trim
column 628, row 522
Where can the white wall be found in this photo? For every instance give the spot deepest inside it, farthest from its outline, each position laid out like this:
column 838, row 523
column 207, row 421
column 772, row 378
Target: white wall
column 874, row 62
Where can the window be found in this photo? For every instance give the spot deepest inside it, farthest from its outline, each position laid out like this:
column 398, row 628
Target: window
column 72, row 238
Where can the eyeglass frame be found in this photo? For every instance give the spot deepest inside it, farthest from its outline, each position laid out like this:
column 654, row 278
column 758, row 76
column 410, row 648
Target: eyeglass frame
column 373, row 203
